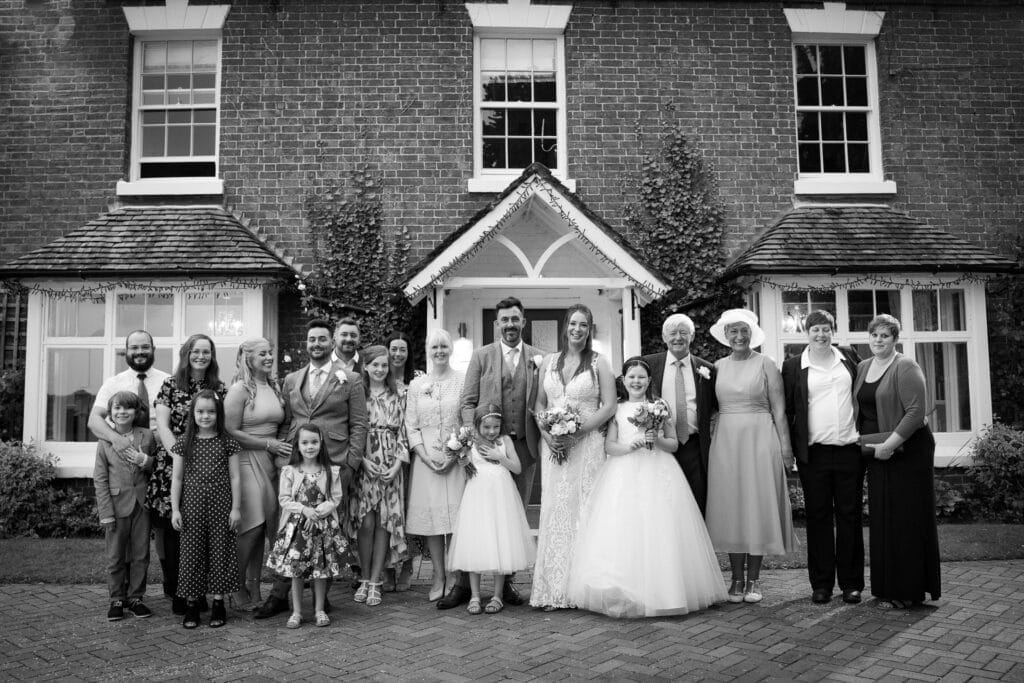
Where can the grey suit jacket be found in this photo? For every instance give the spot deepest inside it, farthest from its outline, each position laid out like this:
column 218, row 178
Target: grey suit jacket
column 483, row 385
column 118, row 485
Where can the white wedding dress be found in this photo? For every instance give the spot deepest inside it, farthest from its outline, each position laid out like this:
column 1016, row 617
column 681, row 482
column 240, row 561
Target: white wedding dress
column 565, row 489
column 642, row 548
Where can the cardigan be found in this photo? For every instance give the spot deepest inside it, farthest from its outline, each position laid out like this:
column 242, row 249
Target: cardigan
column 291, row 480
column 900, row 398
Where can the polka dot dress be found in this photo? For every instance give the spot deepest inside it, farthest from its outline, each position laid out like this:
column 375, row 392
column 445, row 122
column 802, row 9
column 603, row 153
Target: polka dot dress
column 209, row 562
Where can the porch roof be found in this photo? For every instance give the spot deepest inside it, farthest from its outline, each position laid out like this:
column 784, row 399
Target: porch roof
column 536, row 183
column 860, row 239
column 154, row 241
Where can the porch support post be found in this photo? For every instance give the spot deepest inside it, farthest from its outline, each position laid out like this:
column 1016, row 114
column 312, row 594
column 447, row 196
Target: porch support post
column 631, row 343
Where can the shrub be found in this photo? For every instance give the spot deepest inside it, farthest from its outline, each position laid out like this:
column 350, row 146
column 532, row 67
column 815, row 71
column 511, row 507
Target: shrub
column 12, row 401
column 73, row 516
column 26, row 491
column 949, row 501
column 997, row 473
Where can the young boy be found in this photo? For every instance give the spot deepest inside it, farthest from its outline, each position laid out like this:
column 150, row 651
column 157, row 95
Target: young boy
column 120, row 495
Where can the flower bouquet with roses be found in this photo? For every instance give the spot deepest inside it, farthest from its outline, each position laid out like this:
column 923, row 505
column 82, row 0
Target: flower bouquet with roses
column 457, row 448
column 650, row 416
column 561, row 420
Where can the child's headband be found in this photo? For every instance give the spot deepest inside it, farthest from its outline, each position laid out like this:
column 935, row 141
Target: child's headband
column 484, row 417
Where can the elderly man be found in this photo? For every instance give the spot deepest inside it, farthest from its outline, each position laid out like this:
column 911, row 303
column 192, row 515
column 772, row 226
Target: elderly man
column 686, row 382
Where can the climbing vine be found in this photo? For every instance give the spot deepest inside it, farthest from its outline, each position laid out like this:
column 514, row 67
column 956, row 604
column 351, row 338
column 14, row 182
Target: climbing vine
column 1005, row 312
column 357, row 266
column 677, row 224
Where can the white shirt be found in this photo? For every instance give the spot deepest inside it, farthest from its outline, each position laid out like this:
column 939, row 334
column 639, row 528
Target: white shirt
column 830, row 418
column 129, row 381
column 504, row 355
column 325, row 368
column 668, row 388
column 335, row 358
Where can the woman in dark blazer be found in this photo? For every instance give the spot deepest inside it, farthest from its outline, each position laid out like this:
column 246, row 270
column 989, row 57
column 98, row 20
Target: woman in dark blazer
column 890, row 394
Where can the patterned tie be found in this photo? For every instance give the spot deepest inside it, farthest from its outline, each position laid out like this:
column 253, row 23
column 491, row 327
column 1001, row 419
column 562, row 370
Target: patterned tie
column 682, row 428
column 513, row 356
column 316, row 381
column 142, row 417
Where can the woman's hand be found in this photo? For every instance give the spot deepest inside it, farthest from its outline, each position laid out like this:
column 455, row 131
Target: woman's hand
column 372, row 468
column 282, row 449
column 234, row 520
column 881, row 451
column 638, row 443
column 176, row 520
column 489, row 453
column 390, row 473
column 324, row 509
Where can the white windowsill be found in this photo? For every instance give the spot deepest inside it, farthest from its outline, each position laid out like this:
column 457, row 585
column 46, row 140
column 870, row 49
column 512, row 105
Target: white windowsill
column 843, row 186
column 501, row 183
column 170, row 187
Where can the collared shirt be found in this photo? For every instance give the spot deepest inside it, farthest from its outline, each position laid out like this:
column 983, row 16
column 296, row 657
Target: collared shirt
column 668, row 388
column 335, row 358
column 504, row 354
column 129, row 381
column 830, row 418
column 325, row 368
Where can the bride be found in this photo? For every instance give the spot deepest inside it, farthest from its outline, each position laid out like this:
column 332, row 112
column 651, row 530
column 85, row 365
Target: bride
column 576, row 375
column 642, row 548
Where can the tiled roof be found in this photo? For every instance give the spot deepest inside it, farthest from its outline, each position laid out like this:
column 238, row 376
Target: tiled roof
column 155, row 241
column 860, row 239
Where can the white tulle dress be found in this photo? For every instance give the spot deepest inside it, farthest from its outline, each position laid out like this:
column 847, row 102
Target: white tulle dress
column 491, row 534
column 642, row 548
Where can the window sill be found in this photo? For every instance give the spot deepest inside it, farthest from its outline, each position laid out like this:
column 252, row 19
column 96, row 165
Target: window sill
column 843, row 186
column 163, row 187
column 497, row 183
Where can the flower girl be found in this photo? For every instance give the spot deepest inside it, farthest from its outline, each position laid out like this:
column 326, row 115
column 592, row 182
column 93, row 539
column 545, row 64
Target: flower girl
column 642, row 549
column 491, row 533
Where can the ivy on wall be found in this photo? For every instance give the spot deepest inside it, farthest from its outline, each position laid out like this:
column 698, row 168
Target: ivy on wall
column 677, row 222
column 1005, row 313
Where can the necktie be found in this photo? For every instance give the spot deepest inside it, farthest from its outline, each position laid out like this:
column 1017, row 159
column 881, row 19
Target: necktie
column 682, row 428
column 142, row 418
column 513, row 357
column 316, row 381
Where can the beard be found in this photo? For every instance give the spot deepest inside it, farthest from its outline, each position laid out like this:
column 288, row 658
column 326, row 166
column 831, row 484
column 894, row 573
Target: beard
column 139, row 362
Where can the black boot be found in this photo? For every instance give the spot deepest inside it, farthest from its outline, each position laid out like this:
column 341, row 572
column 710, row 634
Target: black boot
column 218, row 617
column 191, row 619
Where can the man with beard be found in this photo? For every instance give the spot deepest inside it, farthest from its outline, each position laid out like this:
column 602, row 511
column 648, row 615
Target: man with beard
column 346, row 345
column 504, row 374
column 143, row 380
column 333, row 398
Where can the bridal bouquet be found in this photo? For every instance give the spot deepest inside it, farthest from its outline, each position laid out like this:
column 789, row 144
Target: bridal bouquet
column 650, row 416
column 457, row 448
column 560, row 421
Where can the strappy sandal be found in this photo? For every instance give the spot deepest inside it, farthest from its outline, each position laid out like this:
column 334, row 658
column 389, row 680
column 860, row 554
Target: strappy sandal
column 322, row 619
column 494, row 606
column 373, row 594
column 474, row 606
column 362, row 591
column 294, row 620
column 191, row 619
column 891, row 604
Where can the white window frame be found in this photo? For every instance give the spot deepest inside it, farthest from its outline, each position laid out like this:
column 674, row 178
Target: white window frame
column 835, row 25
column 75, row 459
column 518, row 19
column 176, row 21
column 951, row 447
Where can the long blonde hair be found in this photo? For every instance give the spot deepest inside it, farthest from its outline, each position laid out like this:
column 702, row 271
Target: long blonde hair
column 244, row 374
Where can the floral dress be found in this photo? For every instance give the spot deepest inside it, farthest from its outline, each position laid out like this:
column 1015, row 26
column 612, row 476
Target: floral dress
column 301, row 550
column 385, row 443
column 158, row 493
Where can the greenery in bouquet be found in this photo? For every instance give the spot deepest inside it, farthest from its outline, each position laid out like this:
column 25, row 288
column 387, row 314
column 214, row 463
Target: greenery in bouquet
column 457, row 448
column 650, row 416
column 564, row 420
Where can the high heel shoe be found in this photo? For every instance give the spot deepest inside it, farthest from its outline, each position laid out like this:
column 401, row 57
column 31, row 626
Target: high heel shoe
column 736, row 591
column 436, row 594
column 239, row 601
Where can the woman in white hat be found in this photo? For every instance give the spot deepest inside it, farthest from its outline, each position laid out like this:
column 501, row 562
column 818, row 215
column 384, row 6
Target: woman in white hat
column 748, row 512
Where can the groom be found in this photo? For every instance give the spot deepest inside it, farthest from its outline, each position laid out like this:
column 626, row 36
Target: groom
column 687, row 383
column 504, row 374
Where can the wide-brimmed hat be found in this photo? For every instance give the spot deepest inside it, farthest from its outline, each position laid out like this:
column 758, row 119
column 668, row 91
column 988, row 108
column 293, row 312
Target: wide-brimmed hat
column 738, row 315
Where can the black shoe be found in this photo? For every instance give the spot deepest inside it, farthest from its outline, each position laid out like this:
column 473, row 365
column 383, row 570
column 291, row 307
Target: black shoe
column 510, row 594
column 138, row 609
column 851, row 597
column 218, row 616
column 327, row 605
column 357, row 576
column 203, row 605
column 820, row 596
column 191, row 619
column 458, row 595
column 116, row 611
column 271, row 606
column 178, row 606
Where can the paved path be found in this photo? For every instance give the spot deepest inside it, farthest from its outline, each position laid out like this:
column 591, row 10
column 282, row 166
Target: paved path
column 976, row 631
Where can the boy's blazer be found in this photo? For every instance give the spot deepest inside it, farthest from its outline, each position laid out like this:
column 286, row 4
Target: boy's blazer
column 120, row 485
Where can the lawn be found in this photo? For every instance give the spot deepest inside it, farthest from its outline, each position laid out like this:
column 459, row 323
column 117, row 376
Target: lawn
column 80, row 560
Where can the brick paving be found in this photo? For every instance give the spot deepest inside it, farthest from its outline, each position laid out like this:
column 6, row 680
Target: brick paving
column 975, row 632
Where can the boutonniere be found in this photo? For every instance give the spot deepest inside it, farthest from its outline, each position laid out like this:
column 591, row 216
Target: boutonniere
column 537, row 360
column 340, row 374
column 704, row 372
column 428, row 389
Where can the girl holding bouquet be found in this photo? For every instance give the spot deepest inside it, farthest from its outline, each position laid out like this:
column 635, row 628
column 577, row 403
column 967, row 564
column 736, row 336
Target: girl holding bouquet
column 491, row 533
column 642, row 548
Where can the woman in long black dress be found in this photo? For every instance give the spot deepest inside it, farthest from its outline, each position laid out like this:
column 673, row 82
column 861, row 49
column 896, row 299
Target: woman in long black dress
column 890, row 392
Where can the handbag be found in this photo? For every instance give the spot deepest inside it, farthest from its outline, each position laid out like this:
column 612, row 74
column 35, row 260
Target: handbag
column 866, row 440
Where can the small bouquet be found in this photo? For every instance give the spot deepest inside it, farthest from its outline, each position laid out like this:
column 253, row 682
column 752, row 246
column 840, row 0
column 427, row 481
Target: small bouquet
column 560, row 421
column 650, row 416
column 457, row 448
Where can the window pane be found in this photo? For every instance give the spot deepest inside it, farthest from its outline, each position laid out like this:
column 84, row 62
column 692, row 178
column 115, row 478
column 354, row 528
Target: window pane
column 807, row 91
column 544, row 55
column 857, row 92
column 154, row 57
column 544, row 87
column 947, row 385
column 179, row 56
column 862, row 309
column 544, row 122
column 797, row 304
column 545, row 150
column 520, row 153
column 831, row 126
column 76, row 318
column 204, row 81
column 806, row 59
column 493, row 85
column 494, row 153
column 519, row 87
column 926, row 313
column 834, row 158
column 218, row 315
column 520, row 122
column 204, row 55
column 832, row 92
column 854, row 58
column 153, row 141
column 204, row 140
column 858, row 155
column 810, row 159
column 951, row 309
column 72, row 378
column 204, row 116
column 179, row 141
column 519, row 54
column 150, row 312
column 164, row 358
column 807, row 126
column 179, row 116
column 856, row 126
column 492, row 54
column 493, row 121
column 831, row 59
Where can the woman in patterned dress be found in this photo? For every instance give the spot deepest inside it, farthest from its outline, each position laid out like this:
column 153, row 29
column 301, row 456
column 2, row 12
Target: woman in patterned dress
column 197, row 370
column 432, row 414
column 576, row 376
column 398, row 345
column 377, row 508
